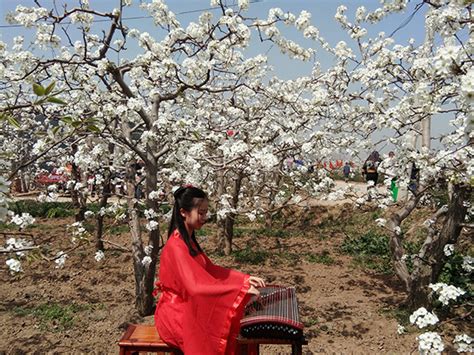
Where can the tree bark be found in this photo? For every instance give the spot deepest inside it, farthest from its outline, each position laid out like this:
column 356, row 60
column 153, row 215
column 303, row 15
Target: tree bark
column 78, row 198
column 431, row 259
column 271, row 202
column 144, row 272
column 106, row 192
column 230, row 218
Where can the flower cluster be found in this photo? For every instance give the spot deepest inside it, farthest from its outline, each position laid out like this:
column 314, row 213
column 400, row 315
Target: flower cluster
column 23, row 220
column 381, row 222
column 152, row 225
column 60, row 259
column 14, row 265
column 77, row 231
column 446, row 292
column 448, row 249
column 468, row 264
column 463, row 343
column 400, row 329
column 423, row 318
column 146, row 261
column 99, row 255
column 16, row 244
column 430, row 343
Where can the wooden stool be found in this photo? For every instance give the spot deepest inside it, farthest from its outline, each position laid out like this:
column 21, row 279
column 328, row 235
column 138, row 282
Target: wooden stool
column 144, row 338
column 247, row 346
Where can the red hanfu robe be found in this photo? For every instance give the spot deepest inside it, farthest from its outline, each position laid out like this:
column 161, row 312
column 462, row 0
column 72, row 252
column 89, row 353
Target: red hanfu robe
column 201, row 304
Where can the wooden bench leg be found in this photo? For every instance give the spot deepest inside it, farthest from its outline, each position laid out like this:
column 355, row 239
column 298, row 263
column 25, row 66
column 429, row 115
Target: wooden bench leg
column 296, row 349
column 248, row 349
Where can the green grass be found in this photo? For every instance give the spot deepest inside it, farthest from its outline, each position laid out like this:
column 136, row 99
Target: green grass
column 321, row 258
column 8, row 226
column 53, row 316
column 370, row 250
column 120, row 229
column 249, row 256
column 401, row 314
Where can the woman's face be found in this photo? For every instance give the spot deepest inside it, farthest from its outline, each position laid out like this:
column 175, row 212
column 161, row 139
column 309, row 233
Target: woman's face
column 196, row 218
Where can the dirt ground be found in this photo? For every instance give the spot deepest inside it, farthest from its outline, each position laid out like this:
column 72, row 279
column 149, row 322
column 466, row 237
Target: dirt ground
column 84, row 307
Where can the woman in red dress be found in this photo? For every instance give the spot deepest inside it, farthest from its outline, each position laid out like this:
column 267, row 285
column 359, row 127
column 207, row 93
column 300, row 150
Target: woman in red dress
column 201, row 304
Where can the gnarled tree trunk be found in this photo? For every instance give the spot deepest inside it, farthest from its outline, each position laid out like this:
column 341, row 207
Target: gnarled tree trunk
column 429, row 262
column 431, row 259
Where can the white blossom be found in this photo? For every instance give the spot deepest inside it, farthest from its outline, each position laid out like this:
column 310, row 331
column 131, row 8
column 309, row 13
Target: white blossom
column 381, row 222
column 146, row 261
column 24, row 220
column 423, row 318
column 60, row 260
column 150, row 213
column 14, row 265
column 430, row 343
column 446, row 292
column 148, row 249
column 152, row 225
column 468, row 264
column 463, row 343
column 88, row 214
column 400, row 329
column 99, row 255
column 448, row 249
column 155, row 195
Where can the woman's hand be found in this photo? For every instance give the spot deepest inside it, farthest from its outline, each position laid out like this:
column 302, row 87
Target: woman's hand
column 256, row 281
column 253, row 291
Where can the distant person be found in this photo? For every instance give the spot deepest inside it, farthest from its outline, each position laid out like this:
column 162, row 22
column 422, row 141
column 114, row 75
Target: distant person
column 370, row 167
column 346, row 170
column 370, row 170
column 414, row 178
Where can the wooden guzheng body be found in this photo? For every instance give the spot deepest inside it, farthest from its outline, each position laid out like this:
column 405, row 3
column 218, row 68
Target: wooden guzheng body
column 274, row 315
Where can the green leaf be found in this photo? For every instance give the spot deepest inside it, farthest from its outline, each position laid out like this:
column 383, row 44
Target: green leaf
column 76, row 124
column 56, row 129
column 13, row 121
column 10, row 119
column 38, row 89
column 39, row 102
column 93, row 128
column 49, row 88
column 55, row 100
column 66, row 119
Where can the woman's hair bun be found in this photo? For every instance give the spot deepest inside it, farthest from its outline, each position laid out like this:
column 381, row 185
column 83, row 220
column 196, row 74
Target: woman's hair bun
column 181, row 189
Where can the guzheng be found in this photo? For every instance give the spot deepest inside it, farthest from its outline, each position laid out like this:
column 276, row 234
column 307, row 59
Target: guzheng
column 273, row 315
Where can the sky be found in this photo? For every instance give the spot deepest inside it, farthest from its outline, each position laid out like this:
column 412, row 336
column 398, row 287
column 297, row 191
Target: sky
column 189, row 10
column 404, row 25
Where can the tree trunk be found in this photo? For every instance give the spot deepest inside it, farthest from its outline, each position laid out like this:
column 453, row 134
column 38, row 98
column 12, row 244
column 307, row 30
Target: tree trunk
column 229, row 221
column 106, row 192
column 144, row 273
column 219, row 237
column 228, row 227
column 77, row 197
column 432, row 258
column 271, row 202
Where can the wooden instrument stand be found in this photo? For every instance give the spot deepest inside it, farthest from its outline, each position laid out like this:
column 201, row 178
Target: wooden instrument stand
column 145, row 338
column 247, row 346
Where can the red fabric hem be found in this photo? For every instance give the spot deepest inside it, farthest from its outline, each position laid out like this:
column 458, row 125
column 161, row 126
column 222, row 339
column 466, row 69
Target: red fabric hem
column 231, row 314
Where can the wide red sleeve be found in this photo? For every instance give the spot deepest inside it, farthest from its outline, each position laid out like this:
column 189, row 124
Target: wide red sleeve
column 212, row 299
